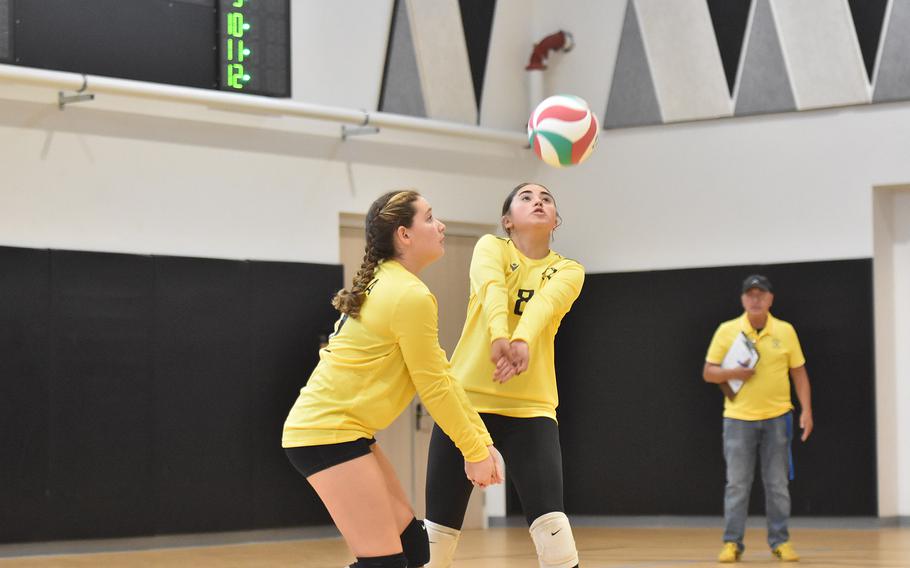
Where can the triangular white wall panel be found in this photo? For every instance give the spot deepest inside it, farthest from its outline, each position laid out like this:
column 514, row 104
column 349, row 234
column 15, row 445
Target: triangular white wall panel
column 685, row 60
column 822, row 52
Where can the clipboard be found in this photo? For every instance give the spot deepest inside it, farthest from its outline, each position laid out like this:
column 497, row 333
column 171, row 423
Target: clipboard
column 742, row 353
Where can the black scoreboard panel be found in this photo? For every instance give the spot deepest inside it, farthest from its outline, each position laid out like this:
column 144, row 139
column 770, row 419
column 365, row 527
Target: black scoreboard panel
column 6, row 38
column 232, row 45
column 161, row 41
column 255, row 46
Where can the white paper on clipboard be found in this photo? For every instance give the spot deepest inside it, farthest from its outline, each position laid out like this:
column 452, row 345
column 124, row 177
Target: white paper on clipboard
column 742, row 354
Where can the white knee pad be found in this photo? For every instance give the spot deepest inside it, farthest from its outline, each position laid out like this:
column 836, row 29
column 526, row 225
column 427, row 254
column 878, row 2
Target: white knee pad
column 443, row 541
column 553, row 539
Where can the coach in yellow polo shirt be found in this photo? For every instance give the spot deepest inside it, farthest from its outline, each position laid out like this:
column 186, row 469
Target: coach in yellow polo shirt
column 758, row 419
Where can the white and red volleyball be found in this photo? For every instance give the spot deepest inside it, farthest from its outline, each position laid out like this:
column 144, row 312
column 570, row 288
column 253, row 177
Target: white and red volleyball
column 563, row 130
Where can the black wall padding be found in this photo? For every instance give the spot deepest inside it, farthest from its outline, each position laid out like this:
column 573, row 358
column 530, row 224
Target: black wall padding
column 145, row 395
column 24, row 375
column 203, row 386
column 100, row 432
column 641, row 430
column 290, row 310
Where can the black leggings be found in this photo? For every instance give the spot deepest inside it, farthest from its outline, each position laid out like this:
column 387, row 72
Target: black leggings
column 530, row 448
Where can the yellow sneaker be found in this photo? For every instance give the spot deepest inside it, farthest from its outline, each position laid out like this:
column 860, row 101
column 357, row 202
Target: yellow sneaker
column 785, row 552
column 729, row 553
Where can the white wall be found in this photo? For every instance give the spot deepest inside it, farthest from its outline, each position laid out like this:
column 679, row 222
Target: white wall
column 338, row 51
column 823, row 54
column 901, row 287
column 123, row 175
column 684, row 59
column 504, row 102
column 695, row 193
column 892, row 335
column 776, row 188
column 585, row 71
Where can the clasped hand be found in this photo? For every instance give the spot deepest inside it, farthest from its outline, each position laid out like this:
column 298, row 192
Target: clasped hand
column 510, row 358
column 486, row 472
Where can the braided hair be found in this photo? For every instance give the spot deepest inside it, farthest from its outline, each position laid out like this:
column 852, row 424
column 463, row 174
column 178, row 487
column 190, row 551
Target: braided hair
column 392, row 210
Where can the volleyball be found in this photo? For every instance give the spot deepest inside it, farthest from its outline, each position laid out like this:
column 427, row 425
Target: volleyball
column 563, row 130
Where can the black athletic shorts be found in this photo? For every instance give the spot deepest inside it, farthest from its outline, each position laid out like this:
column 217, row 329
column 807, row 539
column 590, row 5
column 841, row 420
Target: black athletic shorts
column 313, row 459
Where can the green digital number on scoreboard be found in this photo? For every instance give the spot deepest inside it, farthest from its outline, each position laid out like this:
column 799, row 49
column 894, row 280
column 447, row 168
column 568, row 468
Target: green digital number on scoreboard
column 255, row 46
column 236, row 52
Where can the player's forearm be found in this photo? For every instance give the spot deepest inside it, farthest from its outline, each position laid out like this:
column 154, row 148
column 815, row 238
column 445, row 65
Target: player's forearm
column 549, row 304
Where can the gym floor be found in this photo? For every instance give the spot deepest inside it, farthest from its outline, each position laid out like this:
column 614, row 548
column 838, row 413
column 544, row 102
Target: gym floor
column 617, row 542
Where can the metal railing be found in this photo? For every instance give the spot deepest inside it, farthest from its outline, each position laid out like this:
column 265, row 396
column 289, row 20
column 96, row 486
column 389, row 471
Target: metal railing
column 74, row 87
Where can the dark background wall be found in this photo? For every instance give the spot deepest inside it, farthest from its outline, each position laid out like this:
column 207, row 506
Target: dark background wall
column 145, row 395
column 641, row 430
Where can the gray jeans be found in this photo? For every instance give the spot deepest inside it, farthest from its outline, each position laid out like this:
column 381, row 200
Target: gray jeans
column 743, row 441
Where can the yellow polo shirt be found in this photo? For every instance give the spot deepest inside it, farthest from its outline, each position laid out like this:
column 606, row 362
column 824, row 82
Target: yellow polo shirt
column 767, row 393
column 514, row 297
column 373, row 366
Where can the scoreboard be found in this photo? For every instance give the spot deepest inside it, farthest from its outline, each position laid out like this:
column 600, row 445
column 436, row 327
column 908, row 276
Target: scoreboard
column 6, row 18
column 255, row 41
column 240, row 46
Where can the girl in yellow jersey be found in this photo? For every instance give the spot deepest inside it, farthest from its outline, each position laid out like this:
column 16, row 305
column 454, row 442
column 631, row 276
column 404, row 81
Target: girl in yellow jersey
column 520, row 291
column 384, row 349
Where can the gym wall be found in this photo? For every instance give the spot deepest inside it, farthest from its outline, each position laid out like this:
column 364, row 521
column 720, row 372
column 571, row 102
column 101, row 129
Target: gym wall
column 642, row 432
column 671, row 202
column 145, row 395
column 165, row 275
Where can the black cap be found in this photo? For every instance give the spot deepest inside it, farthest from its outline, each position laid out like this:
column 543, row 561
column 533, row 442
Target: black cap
column 756, row 281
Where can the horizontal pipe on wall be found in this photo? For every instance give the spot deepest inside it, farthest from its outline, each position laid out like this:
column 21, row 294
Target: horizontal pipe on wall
column 236, row 102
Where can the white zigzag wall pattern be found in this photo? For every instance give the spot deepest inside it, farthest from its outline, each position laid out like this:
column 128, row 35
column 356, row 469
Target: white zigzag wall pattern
column 667, row 65
column 796, row 56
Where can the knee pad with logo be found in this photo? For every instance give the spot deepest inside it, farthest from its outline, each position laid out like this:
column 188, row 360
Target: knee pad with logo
column 415, row 544
column 443, row 541
column 554, row 542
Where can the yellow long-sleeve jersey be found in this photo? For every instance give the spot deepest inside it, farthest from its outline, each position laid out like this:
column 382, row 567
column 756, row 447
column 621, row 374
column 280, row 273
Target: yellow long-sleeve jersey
column 514, row 297
column 374, row 364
